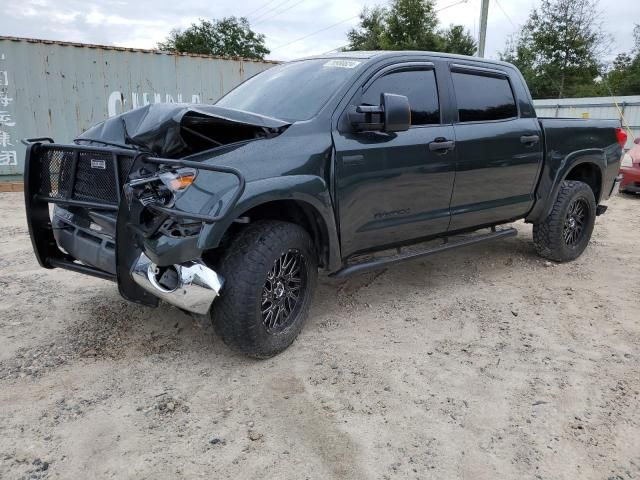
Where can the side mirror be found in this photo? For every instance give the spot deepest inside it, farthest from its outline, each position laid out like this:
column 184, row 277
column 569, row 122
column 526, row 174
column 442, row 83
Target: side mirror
column 392, row 115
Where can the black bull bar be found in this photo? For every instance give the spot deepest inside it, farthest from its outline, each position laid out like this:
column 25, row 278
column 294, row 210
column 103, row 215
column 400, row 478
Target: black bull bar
column 93, row 178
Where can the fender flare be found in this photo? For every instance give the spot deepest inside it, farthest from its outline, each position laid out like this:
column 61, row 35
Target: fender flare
column 554, row 174
column 310, row 190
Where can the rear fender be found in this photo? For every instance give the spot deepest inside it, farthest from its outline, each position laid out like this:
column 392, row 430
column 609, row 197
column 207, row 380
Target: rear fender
column 555, row 171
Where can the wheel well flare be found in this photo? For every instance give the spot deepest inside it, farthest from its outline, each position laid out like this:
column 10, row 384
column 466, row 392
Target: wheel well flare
column 590, row 174
column 300, row 213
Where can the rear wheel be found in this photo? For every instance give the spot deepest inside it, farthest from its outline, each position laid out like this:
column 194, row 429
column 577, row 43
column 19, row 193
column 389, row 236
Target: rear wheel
column 270, row 273
column 566, row 232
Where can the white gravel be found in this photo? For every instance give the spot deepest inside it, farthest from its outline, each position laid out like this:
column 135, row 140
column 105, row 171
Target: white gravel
column 483, row 363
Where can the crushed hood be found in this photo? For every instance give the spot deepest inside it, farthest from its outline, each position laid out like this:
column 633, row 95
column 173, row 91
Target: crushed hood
column 174, row 130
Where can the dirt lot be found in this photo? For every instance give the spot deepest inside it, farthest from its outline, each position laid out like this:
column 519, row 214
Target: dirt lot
column 484, row 363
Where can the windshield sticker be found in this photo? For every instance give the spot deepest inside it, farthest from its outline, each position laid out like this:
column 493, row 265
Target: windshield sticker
column 342, row 63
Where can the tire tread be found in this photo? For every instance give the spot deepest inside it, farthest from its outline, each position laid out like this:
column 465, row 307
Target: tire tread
column 547, row 235
column 243, row 265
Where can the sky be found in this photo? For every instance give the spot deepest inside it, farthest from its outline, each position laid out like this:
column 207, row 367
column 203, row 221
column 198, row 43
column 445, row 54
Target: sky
column 293, row 28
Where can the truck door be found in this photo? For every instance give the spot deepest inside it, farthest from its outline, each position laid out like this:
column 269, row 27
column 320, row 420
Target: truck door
column 499, row 151
column 395, row 187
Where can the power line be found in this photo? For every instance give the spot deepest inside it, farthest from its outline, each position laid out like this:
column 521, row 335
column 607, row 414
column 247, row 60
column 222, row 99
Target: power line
column 506, row 15
column 316, row 32
column 346, row 45
column 279, row 12
column 265, row 13
column 449, row 6
column 259, row 8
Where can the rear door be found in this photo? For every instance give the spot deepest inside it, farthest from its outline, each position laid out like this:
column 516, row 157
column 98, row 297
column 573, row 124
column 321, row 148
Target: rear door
column 499, row 150
column 395, row 187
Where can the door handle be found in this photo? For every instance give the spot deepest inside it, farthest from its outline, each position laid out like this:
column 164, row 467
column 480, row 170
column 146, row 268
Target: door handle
column 442, row 145
column 529, row 139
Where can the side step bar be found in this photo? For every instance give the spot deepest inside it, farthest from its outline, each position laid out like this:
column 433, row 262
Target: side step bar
column 402, row 257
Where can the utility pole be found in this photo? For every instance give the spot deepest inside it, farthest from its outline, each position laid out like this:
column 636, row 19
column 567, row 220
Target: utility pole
column 484, row 13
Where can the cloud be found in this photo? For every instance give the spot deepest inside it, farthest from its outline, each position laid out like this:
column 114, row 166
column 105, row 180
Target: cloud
column 143, row 23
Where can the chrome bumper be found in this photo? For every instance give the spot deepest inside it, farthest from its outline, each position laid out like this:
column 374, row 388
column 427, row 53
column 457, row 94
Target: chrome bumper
column 196, row 285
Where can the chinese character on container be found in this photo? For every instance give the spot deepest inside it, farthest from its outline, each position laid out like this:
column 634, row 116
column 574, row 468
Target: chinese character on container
column 8, row 158
column 5, row 100
column 5, row 139
column 5, row 119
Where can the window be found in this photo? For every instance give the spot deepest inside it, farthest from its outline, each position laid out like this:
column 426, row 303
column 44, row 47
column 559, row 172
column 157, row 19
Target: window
column 419, row 86
column 481, row 98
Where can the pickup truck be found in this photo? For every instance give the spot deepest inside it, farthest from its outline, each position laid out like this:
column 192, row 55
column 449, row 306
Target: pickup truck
column 343, row 163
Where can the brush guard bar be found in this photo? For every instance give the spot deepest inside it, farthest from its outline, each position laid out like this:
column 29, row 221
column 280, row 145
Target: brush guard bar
column 92, row 177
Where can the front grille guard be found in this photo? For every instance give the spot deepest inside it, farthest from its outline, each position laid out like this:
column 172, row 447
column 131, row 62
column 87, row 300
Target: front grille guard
column 44, row 185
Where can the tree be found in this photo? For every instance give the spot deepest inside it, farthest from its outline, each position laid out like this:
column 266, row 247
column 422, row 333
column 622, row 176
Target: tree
column 411, row 25
column 557, row 49
column 624, row 76
column 230, row 36
column 458, row 40
column 372, row 31
column 408, row 25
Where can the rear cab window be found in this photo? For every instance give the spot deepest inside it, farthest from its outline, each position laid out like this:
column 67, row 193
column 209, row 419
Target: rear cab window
column 483, row 97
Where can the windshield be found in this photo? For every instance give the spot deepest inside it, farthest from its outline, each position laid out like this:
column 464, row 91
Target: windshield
column 291, row 91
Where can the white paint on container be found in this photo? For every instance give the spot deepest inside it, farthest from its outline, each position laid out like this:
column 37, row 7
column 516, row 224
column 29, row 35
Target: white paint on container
column 59, row 89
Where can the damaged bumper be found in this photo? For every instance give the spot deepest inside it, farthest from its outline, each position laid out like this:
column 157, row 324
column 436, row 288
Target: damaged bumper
column 191, row 286
column 98, row 230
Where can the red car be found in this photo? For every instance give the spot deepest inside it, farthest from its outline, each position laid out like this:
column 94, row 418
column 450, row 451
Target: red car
column 630, row 169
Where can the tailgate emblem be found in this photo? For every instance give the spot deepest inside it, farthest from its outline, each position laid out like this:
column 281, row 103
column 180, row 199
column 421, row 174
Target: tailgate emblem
column 101, row 164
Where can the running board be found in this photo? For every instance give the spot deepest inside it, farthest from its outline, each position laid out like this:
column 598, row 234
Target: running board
column 402, row 257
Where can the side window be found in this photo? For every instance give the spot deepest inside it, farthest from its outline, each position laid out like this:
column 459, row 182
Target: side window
column 482, row 98
column 419, row 86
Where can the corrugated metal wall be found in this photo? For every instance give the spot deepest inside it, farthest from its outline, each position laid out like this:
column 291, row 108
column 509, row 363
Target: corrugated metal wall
column 626, row 109
column 59, row 89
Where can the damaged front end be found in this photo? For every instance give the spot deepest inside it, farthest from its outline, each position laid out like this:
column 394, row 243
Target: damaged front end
column 114, row 193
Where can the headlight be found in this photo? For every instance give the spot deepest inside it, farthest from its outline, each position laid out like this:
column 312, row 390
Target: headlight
column 179, row 180
column 627, row 161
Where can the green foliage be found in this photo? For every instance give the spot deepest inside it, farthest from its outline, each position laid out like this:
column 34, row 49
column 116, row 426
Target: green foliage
column 227, row 37
column 411, row 25
column 372, row 32
column 408, row 25
column 557, row 49
column 624, row 76
column 458, row 40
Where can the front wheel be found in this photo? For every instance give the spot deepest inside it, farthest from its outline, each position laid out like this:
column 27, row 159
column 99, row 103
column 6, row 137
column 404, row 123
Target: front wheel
column 270, row 271
column 566, row 232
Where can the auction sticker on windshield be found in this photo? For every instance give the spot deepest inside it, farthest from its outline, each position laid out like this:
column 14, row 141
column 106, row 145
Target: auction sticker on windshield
column 342, row 63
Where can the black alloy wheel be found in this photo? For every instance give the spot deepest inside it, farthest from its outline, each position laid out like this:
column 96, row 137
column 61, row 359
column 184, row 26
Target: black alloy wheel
column 283, row 288
column 575, row 221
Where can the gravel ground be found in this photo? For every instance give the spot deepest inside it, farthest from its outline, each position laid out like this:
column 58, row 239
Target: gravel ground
column 483, row 363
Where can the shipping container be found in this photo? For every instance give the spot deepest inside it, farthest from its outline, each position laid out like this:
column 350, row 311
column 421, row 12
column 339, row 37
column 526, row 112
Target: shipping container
column 59, row 89
column 626, row 108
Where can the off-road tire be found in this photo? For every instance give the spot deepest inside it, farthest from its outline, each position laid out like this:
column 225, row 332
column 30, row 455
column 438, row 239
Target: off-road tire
column 237, row 314
column 548, row 235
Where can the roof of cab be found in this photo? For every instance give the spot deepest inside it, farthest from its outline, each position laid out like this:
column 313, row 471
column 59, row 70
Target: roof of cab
column 367, row 55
